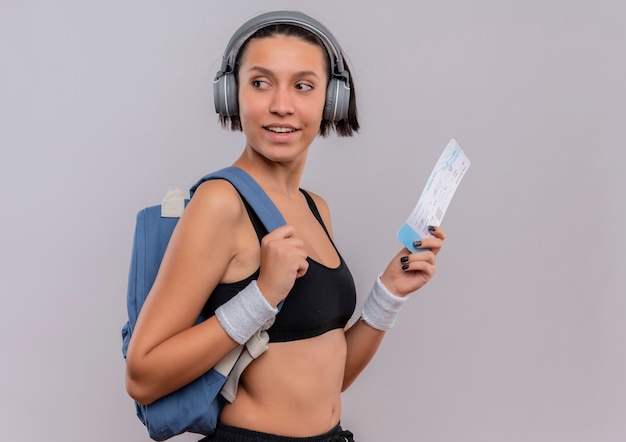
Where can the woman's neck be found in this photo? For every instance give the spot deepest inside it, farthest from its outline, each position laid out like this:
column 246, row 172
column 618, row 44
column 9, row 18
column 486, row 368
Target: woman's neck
column 280, row 178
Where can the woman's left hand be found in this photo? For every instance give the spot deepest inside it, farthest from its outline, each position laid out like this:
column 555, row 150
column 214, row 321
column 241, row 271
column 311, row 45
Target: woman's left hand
column 408, row 272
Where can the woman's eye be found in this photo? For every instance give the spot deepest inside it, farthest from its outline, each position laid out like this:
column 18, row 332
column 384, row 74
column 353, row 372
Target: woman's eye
column 304, row 87
column 260, row 84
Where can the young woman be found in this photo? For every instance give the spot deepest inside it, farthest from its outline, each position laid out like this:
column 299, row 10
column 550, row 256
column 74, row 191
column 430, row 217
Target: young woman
column 289, row 85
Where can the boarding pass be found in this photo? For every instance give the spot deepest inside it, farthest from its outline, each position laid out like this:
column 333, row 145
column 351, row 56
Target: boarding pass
column 436, row 196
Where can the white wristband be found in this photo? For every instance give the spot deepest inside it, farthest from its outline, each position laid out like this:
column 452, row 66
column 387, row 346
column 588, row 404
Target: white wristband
column 245, row 314
column 381, row 307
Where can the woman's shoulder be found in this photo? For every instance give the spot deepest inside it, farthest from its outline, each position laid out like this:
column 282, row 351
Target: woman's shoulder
column 320, row 202
column 217, row 198
column 322, row 208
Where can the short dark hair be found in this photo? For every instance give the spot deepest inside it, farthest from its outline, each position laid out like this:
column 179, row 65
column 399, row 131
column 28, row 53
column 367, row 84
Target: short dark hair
column 345, row 127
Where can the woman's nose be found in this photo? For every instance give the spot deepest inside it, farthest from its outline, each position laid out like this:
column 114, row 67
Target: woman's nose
column 282, row 102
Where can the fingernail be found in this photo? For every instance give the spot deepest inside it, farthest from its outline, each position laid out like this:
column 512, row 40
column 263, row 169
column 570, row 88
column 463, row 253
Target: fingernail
column 404, row 259
column 432, row 228
column 417, row 244
column 405, row 266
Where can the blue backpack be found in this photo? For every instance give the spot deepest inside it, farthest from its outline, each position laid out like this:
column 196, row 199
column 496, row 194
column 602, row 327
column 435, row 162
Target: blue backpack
column 195, row 407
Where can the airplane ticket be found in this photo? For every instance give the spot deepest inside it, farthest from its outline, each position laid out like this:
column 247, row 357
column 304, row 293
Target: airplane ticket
column 436, row 196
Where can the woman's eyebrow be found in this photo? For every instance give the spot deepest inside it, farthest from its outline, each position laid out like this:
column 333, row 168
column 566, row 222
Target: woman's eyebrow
column 268, row 72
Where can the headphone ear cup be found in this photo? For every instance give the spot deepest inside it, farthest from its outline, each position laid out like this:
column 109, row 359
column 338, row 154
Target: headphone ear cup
column 337, row 100
column 225, row 95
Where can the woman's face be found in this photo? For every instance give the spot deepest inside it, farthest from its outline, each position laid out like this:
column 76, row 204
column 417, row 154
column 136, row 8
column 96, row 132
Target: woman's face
column 282, row 92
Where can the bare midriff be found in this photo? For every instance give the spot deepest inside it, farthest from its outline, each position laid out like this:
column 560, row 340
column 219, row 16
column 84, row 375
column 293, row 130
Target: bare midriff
column 293, row 389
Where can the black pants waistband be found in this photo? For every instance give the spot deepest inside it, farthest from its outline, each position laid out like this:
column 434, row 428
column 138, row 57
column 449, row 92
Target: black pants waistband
column 226, row 433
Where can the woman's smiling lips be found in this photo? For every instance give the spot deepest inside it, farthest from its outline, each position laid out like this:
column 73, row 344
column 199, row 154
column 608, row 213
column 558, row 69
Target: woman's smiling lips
column 280, row 129
column 280, row 133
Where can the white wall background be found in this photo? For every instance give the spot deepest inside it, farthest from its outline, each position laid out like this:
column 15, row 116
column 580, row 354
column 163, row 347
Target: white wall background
column 521, row 336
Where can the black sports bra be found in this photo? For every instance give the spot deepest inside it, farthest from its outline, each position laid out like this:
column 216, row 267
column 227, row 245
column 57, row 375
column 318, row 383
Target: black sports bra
column 322, row 300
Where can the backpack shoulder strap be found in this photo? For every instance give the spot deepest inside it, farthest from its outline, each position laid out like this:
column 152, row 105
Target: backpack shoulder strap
column 262, row 205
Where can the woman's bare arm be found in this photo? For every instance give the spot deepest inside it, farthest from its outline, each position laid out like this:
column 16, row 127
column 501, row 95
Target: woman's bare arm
column 166, row 350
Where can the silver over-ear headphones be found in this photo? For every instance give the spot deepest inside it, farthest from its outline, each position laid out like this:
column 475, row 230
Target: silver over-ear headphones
column 337, row 92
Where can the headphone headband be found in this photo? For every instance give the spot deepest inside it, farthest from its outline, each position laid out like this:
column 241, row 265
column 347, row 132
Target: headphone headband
column 283, row 17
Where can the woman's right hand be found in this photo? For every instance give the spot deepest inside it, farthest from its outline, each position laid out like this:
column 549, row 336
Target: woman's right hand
column 283, row 260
